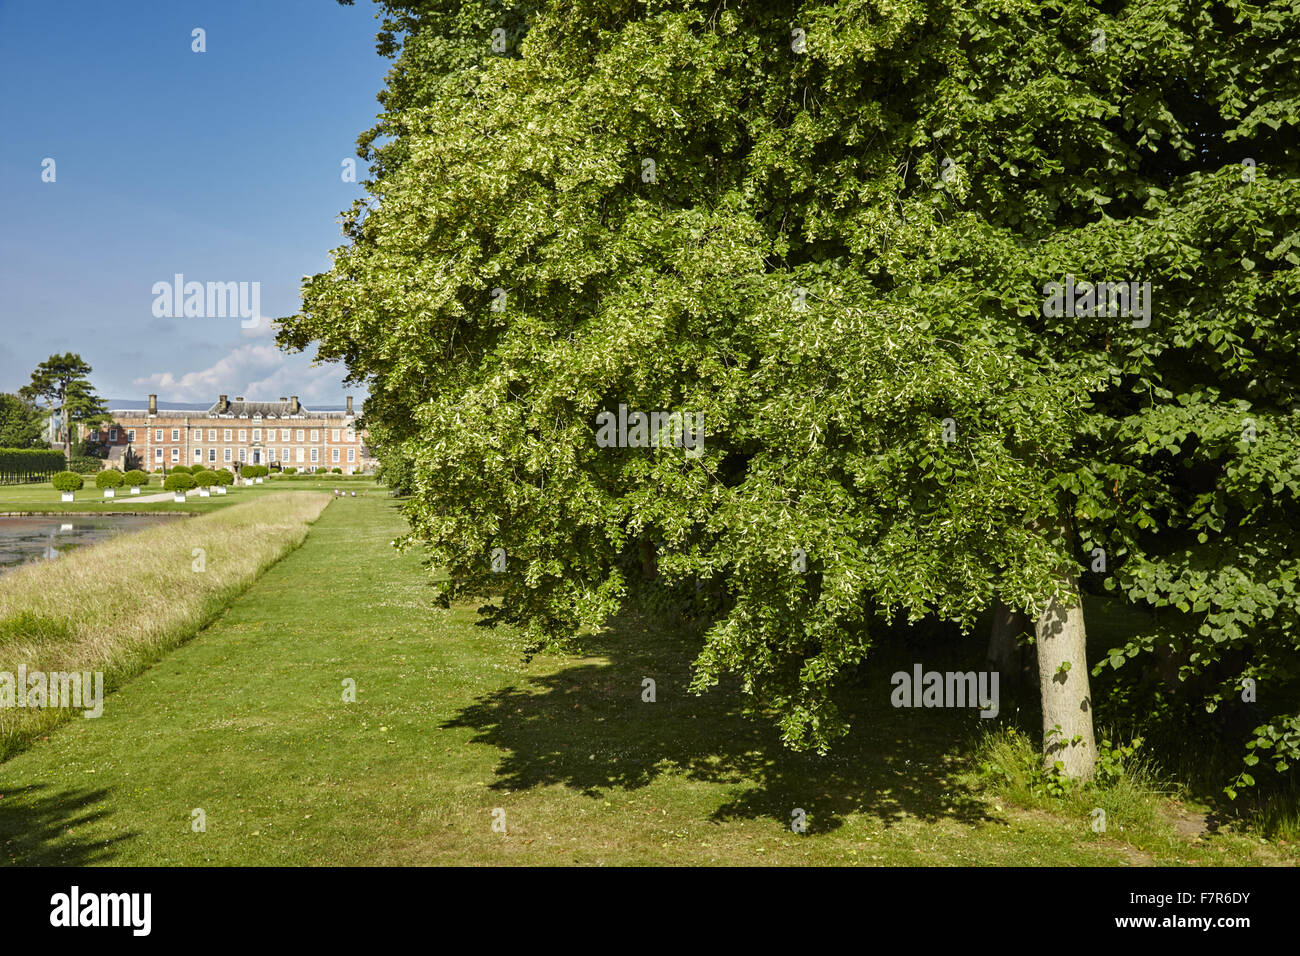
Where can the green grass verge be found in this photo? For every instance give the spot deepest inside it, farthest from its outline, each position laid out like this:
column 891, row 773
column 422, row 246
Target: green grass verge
column 247, row 723
column 117, row 606
column 42, row 498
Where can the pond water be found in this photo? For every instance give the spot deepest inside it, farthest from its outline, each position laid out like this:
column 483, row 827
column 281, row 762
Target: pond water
column 44, row 537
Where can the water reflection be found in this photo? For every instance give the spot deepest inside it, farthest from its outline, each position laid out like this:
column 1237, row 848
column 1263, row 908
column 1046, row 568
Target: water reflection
column 41, row 538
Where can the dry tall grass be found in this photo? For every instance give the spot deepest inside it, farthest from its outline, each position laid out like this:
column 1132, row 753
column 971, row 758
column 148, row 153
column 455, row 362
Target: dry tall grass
column 118, row 606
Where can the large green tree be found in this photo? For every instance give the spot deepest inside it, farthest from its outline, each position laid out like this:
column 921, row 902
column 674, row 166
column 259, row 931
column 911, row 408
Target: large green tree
column 830, row 229
column 20, row 422
column 61, row 380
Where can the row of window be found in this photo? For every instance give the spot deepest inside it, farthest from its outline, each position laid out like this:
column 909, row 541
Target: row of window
column 270, row 454
column 243, row 434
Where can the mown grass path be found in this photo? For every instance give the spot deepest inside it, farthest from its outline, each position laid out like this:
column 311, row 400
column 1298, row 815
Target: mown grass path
column 247, row 723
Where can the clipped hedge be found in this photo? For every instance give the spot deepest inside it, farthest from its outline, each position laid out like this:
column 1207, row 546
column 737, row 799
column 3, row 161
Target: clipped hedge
column 109, row 479
column 86, row 464
column 135, row 478
column 28, row 464
column 180, row 470
column 179, row 481
column 67, row 481
column 225, row 476
column 205, row 479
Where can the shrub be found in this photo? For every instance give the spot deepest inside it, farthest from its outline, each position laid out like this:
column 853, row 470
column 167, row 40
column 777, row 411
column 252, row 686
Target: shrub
column 179, row 481
column 108, row 478
column 224, row 476
column 28, row 464
column 256, row 471
column 67, row 481
column 85, row 465
column 204, row 478
column 180, row 469
column 135, row 478
column 337, row 471
column 291, row 470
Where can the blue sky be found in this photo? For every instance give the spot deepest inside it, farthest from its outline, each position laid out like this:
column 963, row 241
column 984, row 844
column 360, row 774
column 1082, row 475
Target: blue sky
column 224, row 166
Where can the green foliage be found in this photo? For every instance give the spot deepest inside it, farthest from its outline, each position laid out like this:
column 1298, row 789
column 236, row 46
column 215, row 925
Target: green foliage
column 181, row 470
column 135, row 478
column 67, row 481
column 61, row 381
column 28, row 464
column 109, row 479
column 841, row 263
column 291, row 470
column 255, row 471
column 224, row 476
column 179, row 481
column 205, row 479
column 85, row 465
column 20, row 423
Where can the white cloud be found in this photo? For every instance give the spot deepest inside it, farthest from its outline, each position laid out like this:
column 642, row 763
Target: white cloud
column 258, row 372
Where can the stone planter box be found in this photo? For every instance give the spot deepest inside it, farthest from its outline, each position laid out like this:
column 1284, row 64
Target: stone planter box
column 108, row 493
column 258, row 480
column 221, row 489
column 67, row 495
column 135, row 489
column 179, row 497
column 204, row 493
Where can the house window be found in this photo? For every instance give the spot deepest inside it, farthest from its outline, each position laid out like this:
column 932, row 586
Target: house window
column 352, row 454
column 198, row 434
column 243, row 434
column 157, row 454
column 334, row 435
column 212, row 434
column 270, row 454
column 315, row 454
column 257, row 434
column 198, row 454
column 157, row 434
column 284, row 434
column 227, row 455
column 176, row 455
column 300, row 455
column 334, row 455
column 212, row 454
column 176, row 434
column 352, row 434
column 243, row 454
column 225, row 434
column 300, row 434
column 315, row 434
column 112, row 434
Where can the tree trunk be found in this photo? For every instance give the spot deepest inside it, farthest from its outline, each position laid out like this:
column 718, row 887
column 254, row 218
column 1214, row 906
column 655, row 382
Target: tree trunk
column 1067, row 700
column 66, row 427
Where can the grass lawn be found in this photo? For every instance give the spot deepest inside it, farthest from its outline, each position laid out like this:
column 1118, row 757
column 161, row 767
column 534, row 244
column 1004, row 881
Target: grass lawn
column 247, row 722
column 42, row 498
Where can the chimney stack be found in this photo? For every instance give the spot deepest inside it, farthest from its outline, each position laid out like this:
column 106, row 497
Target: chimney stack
column 283, row 399
column 293, row 405
column 239, row 398
column 153, row 404
column 221, row 403
column 349, row 404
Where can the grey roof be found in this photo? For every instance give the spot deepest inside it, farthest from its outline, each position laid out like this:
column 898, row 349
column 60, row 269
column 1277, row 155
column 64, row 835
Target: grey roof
column 251, row 409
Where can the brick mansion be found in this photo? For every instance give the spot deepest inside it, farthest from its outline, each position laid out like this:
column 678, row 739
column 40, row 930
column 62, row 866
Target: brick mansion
column 231, row 435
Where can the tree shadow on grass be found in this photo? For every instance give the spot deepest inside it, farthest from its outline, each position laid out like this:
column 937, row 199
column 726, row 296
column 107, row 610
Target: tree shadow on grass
column 37, row 823
column 588, row 728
